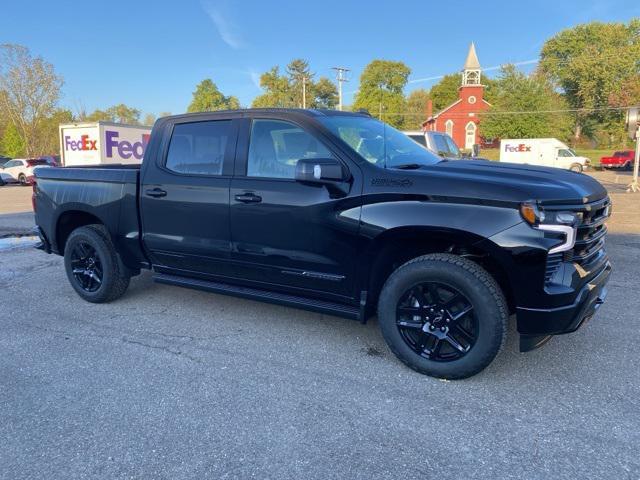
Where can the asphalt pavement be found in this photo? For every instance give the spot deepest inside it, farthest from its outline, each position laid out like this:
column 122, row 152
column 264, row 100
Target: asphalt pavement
column 170, row 383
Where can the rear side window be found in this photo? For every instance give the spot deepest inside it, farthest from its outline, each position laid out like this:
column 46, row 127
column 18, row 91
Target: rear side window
column 419, row 139
column 198, row 148
column 276, row 146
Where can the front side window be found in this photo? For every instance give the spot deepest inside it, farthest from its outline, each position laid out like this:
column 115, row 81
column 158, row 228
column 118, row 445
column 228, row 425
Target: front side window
column 453, row 148
column 275, row 146
column 441, row 145
column 198, row 148
column 564, row 152
column 377, row 142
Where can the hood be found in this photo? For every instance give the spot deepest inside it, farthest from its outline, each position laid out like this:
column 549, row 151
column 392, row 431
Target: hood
column 512, row 182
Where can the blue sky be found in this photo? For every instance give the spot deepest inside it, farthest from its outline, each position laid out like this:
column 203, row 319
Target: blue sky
column 151, row 54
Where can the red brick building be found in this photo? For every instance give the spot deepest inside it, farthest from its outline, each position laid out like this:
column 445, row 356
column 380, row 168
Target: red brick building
column 460, row 119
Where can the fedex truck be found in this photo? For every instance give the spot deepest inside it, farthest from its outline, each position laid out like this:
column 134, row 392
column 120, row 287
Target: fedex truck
column 99, row 143
column 547, row 152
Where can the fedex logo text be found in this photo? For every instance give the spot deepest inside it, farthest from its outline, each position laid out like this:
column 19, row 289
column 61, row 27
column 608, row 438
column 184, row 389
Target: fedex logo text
column 124, row 148
column 79, row 145
column 517, row 148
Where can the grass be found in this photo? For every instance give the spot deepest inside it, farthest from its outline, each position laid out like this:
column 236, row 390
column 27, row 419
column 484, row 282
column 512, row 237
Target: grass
column 593, row 155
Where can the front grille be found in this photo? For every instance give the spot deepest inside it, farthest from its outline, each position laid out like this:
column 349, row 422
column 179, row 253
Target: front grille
column 590, row 237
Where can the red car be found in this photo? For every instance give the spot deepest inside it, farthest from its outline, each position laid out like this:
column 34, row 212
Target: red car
column 622, row 159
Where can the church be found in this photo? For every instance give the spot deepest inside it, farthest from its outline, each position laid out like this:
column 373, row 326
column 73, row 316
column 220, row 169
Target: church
column 461, row 119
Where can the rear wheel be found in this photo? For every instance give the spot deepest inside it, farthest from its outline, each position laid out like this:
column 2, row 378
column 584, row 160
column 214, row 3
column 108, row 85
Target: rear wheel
column 92, row 265
column 23, row 180
column 576, row 167
column 443, row 316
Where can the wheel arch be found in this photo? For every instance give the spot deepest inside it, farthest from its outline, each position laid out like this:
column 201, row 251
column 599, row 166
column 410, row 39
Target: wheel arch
column 70, row 220
column 397, row 246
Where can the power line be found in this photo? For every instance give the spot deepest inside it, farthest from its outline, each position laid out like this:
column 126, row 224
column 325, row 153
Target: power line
column 520, row 112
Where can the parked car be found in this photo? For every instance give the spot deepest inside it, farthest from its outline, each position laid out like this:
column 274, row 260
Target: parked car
column 52, row 160
column 4, row 160
column 20, row 170
column 339, row 213
column 439, row 143
column 622, row 159
column 545, row 152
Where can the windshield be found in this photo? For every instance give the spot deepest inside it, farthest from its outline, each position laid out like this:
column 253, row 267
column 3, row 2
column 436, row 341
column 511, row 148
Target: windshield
column 378, row 143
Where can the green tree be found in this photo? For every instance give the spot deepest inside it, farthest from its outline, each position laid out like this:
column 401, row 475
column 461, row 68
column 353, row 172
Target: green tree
column 416, row 109
column 98, row 116
column 207, row 98
column 325, row 94
column 445, row 92
column 12, row 143
column 149, row 119
column 124, row 114
column 49, row 132
column 286, row 90
column 516, row 92
column 381, row 90
column 30, row 90
column 277, row 91
column 588, row 62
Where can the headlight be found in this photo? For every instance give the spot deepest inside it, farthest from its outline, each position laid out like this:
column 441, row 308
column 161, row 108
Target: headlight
column 564, row 222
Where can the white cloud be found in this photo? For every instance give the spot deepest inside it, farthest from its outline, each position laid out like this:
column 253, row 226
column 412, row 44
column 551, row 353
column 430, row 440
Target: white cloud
column 255, row 78
column 226, row 29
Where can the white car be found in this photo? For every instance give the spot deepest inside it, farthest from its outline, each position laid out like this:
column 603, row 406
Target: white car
column 20, row 170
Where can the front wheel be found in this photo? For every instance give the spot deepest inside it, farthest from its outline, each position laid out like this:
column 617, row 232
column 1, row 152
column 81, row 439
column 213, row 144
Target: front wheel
column 23, row 180
column 443, row 316
column 92, row 265
column 576, row 167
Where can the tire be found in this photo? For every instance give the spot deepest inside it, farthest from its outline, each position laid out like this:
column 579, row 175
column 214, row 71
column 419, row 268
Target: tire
column 576, row 167
column 488, row 315
column 628, row 167
column 23, row 180
column 114, row 280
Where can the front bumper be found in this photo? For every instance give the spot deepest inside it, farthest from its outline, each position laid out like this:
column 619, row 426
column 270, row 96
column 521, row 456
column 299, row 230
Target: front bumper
column 536, row 325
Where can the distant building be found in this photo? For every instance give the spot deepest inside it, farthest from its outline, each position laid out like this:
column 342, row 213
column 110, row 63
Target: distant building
column 460, row 119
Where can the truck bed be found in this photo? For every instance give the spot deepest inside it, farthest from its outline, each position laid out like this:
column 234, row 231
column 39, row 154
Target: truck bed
column 108, row 193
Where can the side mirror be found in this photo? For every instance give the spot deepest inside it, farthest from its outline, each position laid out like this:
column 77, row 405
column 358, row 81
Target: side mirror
column 320, row 171
column 324, row 171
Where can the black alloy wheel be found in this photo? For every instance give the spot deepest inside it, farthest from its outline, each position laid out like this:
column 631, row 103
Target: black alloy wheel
column 437, row 321
column 86, row 267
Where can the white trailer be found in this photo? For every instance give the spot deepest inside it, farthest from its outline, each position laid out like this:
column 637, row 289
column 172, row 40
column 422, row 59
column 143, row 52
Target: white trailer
column 547, row 152
column 97, row 143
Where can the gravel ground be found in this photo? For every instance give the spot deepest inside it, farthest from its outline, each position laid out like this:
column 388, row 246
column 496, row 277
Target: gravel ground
column 174, row 383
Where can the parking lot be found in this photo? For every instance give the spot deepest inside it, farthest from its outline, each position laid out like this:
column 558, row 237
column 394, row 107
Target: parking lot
column 168, row 383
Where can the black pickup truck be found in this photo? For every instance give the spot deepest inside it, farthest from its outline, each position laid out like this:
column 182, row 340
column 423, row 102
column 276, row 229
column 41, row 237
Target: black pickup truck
column 342, row 214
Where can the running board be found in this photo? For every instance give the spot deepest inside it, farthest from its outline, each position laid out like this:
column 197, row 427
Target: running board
column 321, row 306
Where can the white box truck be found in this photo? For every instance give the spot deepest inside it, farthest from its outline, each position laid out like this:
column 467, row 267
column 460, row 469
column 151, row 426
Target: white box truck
column 97, row 143
column 547, row 152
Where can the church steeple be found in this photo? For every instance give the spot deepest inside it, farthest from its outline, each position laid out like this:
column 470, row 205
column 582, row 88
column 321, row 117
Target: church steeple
column 471, row 71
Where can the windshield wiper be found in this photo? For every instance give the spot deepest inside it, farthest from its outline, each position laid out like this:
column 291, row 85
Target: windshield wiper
column 407, row 166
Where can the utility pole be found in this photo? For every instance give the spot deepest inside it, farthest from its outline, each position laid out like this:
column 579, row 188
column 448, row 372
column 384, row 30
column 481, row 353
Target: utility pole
column 633, row 126
column 304, row 92
column 340, row 76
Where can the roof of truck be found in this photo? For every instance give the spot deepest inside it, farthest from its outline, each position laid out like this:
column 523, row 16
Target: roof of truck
column 313, row 112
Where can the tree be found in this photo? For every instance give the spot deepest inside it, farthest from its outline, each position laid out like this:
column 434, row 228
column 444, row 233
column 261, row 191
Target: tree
column 416, row 109
column 517, row 92
column 123, row 114
column 381, row 90
column 208, row 98
column 98, row 115
column 325, row 94
column 588, row 62
column 12, row 143
column 30, row 91
column 445, row 92
column 286, row 90
column 49, row 132
column 149, row 119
